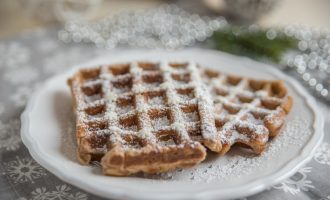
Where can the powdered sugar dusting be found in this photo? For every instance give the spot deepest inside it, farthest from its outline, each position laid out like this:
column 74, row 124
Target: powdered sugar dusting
column 237, row 165
column 169, row 142
column 158, row 123
column 93, row 98
column 129, row 128
column 191, row 117
column 187, row 97
column 148, row 89
column 119, row 90
column 124, row 109
column 236, row 136
column 241, row 105
column 156, row 101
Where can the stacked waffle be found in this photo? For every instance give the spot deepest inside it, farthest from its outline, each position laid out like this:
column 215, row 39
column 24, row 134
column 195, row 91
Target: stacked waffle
column 154, row 117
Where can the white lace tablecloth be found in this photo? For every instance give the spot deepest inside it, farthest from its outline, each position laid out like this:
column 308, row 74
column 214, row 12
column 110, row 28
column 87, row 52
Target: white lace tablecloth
column 27, row 60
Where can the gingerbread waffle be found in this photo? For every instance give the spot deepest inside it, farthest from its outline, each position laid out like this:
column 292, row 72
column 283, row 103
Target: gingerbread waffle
column 246, row 111
column 143, row 116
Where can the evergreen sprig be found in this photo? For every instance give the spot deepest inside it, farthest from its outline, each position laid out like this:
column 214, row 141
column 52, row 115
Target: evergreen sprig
column 254, row 44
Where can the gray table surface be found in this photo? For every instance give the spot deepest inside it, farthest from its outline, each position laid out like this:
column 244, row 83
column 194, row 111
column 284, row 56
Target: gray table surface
column 27, row 60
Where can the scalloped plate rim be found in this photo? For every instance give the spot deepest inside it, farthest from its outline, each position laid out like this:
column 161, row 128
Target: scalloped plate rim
column 253, row 187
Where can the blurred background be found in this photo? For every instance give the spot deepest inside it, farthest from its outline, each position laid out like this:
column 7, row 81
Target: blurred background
column 292, row 35
column 17, row 16
column 42, row 38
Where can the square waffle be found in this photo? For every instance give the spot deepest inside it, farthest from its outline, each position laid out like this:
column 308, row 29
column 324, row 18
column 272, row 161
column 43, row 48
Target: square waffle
column 246, row 111
column 153, row 117
column 143, row 116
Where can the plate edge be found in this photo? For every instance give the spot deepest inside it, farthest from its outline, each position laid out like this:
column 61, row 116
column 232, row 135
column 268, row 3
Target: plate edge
column 318, row 127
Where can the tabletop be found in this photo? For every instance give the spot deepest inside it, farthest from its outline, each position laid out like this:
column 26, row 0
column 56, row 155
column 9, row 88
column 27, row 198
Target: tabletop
column 29, row 59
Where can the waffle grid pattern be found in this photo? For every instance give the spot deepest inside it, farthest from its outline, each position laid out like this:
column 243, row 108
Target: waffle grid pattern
column 247, row 111
column 143, row 107
column 153, row 117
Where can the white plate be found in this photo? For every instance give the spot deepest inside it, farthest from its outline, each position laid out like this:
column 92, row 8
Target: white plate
column 47, row 132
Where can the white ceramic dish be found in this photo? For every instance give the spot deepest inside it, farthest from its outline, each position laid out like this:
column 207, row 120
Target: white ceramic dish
column 48, row 134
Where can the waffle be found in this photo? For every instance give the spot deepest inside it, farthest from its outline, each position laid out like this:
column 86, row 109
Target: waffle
column 142, row 116
column 154, row 117
column 246, row 111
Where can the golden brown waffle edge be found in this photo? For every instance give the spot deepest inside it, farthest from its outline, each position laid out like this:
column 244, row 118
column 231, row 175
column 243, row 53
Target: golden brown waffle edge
column 259, row 108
